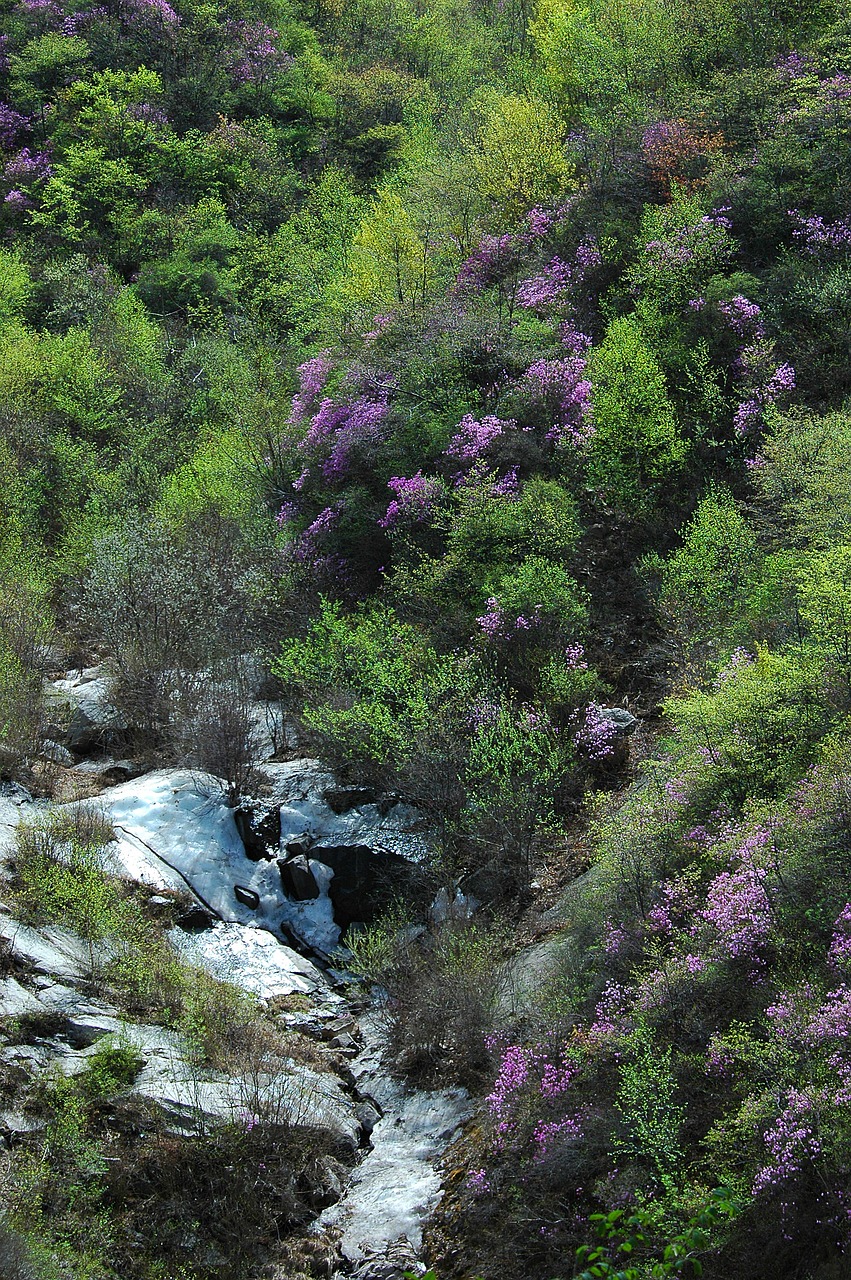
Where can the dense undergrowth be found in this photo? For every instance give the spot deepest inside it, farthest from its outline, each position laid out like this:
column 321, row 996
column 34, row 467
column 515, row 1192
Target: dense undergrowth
column 478, row 367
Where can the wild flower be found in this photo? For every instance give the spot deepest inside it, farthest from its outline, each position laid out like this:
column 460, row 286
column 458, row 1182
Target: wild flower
column 553, row 283
column 508, row 486
column 415, row 500
column 597, row 734
column 16, row 201
column 28, row 166
column 791, row 1142
column 473, row 438
column 253, row 55
column 561, row 390
column 819, row 238
column 478, row 1182
column 614, row 938
column 12, row 123
column 839, row 954
column 547, row 1133
column 287, row 513
column 743, row 316
column 312, row 377
column 492, row 259
column 738, row 907
column 512, row 1074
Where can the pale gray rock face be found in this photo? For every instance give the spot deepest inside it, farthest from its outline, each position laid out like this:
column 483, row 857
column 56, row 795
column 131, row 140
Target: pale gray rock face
column 16, row 1000
column 52, row 950
column 83, row 700
column 254, row 960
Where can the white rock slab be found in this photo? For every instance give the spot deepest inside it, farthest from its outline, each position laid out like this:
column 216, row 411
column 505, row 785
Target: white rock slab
column 250, row 958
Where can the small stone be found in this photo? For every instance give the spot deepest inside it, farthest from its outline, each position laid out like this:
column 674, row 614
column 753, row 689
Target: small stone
column 247, row 897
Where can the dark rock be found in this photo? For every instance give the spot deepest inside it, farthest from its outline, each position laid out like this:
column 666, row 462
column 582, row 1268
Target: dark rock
column 366, row 881
column 369, row 1114
column 342, row 799
column 297, row 879
column 259, row 829
column 195, row 919
column 247, row 897
column 299, row 848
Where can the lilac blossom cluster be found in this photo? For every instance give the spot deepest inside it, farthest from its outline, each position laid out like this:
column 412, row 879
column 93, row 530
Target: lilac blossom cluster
column 474, row 437
column 75, row 23
column 743, row 316
column 313, row 377
column 819, row 238
column 767, row 388
column 337, row 430
column 597, row 734
column 416, row 497
column 529, row 1082
column 739, row 909
column 12, row 124
column 28, row 166
column 498, row 624
column 563, row 391
column 46, row 13
column 705, row 243
column 253, row 55
column 839, row 955
column 493, row 257
column 790, row 1141
column 308, row 548
column 554, row 282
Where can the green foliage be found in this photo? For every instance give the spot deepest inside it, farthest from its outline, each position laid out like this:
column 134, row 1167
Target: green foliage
column 623, row 1237
column 650, row 1115
column 637, row 447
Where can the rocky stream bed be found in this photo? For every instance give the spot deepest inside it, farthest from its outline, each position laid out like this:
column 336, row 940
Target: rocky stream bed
column 272, row 888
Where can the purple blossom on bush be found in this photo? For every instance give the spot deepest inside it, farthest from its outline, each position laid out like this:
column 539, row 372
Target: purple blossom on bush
column 550, row 286
column 614, row 937
column 512, row 1074
column 574, row 657
column 4, row 52
column 157, row 13
column 473, row 438
column 494, row 256
column 791, row 1142
column 839, row 954
column 548, row 1132
column 743, row 316
column 478, row 1182
column 47, row 13
column 312, row 377
column 769, row 383
column 254, row 55
column 793, row 65
column 706, row 243
column 74, row 23
column 597, row 735
column 287, row 513
column 16, row 201
column 561, row 389
column 414, row 502
column 832, row 1020
column 28, row 166
column 12, row 123
column 508, row 486
column 611, row 1016
column 738, row 908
